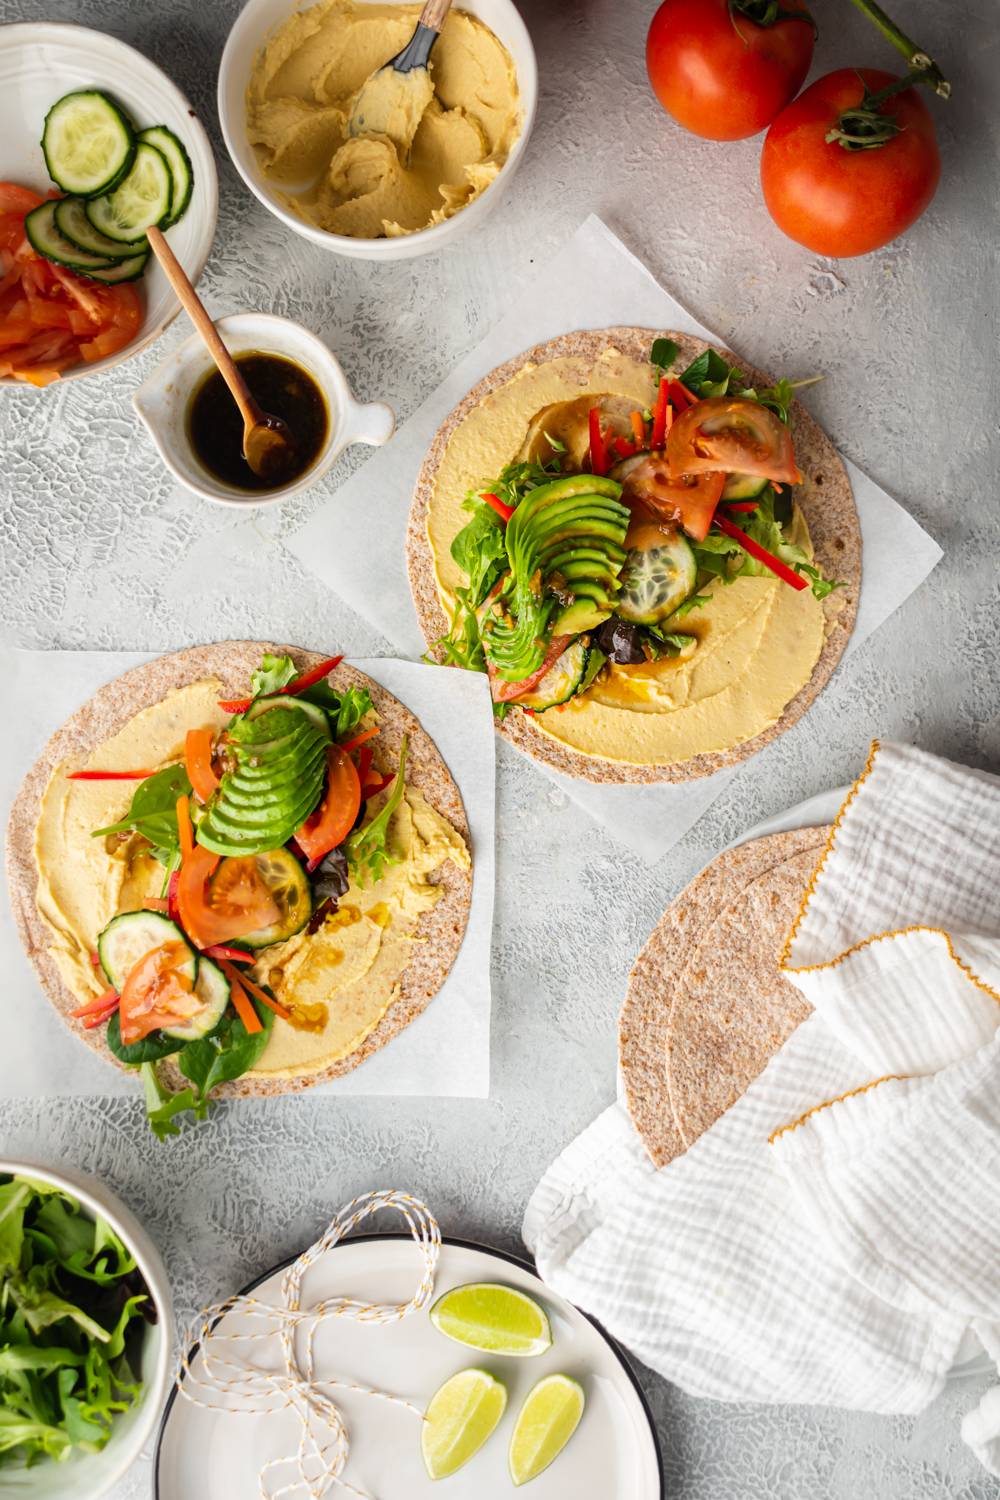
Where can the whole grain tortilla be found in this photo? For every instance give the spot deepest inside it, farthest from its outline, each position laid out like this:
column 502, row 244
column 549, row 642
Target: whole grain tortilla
column 826, row 499
column 438, row 933
column 706, row 1006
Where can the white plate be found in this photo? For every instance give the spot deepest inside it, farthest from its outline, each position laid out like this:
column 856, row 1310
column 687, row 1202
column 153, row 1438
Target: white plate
column 613, row 1455
column 41, row 61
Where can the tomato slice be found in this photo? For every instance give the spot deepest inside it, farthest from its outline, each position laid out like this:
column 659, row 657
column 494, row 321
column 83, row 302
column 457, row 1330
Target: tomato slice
column 686, row 500
column 734, row 434
column 198, row 763
column 215, row 910
column 157, row 994
column 15, row 199
column 333, row 820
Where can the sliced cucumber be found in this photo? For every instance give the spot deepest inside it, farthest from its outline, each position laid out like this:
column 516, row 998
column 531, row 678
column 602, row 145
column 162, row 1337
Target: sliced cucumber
column 743, row 486
column 123, row 270
column 562, row 681
column 73, row 225
column 180, row 169
column 212, row 989
column 656, row 578
column 140, row 201
column 44, row 235
column 88, row 143
column 289, row 885
column 132, row 935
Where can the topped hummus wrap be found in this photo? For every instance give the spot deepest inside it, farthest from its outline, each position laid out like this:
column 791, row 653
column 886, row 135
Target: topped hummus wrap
column 239, row 864
column 653, row 552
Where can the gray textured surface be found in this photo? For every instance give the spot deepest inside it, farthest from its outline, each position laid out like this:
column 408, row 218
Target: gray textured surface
column 91, row 524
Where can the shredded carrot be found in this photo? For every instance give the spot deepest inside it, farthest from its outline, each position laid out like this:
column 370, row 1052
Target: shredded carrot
column 155, row 903
column 639, row 428
column 251, row 1020
column 359, row 739
column 235, row 977
column 184, row 829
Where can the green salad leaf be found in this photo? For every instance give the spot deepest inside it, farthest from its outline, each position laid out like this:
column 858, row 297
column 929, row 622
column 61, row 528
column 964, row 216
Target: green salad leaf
column 153, row 812
column 274, row 673
column 72, row 1305
column 662, row 356
column 367, row 848
column 227, row 1053
column 710, row 375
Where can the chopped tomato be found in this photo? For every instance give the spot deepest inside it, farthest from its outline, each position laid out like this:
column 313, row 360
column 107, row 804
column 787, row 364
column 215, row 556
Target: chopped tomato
column 507, row 692
column 687, row 500
column 333, row 820
column 156, row 993
column 198, row 763
column 50, row 318
column 735, row 435
column 218, row 900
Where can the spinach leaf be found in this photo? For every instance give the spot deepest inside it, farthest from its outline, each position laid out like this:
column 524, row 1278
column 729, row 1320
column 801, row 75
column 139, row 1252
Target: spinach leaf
column 662, row 356
column 367, row 847
column 162, row 1104
column 153, row 812
column 226, row 1054
column 151, row 1049
column 710, row 375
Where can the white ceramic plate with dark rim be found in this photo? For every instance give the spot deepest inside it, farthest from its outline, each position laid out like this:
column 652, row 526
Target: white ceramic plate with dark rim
column 39, row 62
column 613, row 1455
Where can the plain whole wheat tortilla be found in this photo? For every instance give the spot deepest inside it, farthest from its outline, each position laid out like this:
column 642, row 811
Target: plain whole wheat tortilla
column 826, row 499
column 706, row 1006
column 439, row 932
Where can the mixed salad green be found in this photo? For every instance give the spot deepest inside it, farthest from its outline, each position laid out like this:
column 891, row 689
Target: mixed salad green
column 259, row 831
column 598, row 541
column 73, row 1308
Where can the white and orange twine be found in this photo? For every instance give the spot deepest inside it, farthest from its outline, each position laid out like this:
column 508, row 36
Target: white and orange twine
column 213, row 1366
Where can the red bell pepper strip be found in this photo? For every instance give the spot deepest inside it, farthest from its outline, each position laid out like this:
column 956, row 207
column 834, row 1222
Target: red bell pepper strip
column 743, row 505
column 623, row 447
column 359, row 739
column 638, row 430
column 172, row 884
column 681, row 396
column 761, row 554
column 495, row 503
column 96, row 1005
column 375, row 785
column 235, row 955
column 109, row 775
column 660, row 414
column 307, row 680
column 99, row 1017
column 598, row 447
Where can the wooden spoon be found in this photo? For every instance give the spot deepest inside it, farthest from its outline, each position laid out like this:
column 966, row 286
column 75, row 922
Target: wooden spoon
column 268, row 445
column 368, row 116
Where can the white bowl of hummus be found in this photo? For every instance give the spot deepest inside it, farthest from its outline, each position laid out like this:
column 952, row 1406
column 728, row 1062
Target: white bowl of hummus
column 287, row 82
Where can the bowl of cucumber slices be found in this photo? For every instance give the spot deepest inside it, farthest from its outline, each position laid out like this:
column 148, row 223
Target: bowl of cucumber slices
column 109, row 147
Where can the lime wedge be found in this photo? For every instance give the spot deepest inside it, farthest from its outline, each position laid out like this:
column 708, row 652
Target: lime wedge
column 459, row 1419
column 494, row 1318
column 545, row 1424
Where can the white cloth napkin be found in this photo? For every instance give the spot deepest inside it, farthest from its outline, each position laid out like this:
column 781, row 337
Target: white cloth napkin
column 444, row 1052
column 836, row 1234
column 593, row 282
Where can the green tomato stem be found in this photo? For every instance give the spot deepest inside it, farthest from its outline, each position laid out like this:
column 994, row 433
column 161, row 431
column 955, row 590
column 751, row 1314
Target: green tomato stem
column 921, row 64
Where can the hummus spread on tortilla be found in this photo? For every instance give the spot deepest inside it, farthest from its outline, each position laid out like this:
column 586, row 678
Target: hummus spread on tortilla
column 336, row 982
column 756, row 640
column 433, row 144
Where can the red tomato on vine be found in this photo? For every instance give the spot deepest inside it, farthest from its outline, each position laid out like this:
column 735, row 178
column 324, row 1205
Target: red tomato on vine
column 850, row 164
column 724, row 68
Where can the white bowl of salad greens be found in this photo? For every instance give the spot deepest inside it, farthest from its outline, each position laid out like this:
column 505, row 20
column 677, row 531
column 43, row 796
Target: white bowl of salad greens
column 86, row 1335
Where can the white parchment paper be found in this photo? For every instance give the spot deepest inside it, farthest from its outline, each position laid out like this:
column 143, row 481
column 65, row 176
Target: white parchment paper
column 593, row 282
column 446, row 1051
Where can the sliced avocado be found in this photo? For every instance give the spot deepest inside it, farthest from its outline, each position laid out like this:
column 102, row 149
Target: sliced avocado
column 581, row 615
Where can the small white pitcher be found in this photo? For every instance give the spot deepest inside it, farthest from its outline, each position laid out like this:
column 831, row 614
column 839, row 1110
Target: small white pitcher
column 162, row 403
